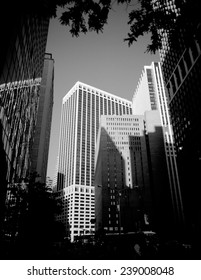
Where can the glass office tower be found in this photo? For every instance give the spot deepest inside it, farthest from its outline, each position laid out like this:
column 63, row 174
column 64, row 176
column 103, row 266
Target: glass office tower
column 181, row 65
column 21, row 64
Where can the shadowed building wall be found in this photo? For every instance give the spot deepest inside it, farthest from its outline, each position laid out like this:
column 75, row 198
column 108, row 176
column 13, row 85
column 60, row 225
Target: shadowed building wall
column 181, row 66
column 21, row 63
column 129, row 156
column 39, row 155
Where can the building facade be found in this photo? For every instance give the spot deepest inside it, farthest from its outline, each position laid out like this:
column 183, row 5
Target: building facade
column 21, row 65
column 81, row 110
column 120, row 174
column 181, row 66
column 49, row 182
column 131, row 190
column 150, row 94
column 40, row 148
column 21, row 73
column 18, row 120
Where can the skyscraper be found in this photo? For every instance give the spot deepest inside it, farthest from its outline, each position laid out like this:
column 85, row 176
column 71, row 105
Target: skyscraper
column 150, row 94
column 40, row 148
column 21, row 65
column 20, row 76
column 81, row 110
column 181, row 66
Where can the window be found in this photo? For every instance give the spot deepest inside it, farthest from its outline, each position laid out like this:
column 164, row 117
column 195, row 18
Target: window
column 173, row 84
column 187, row 59
column 177, row 76
column 182, row 67
column 194, row 50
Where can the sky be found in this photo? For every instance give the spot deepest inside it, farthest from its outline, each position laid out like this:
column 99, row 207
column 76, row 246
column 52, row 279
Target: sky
column 100, row 60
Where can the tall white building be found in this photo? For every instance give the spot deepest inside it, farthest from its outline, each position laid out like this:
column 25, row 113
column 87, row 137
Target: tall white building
column 150, row 94
column 81, row 110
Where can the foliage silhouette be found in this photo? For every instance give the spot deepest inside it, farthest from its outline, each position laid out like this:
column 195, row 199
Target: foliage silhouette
column 32, row 218
column 143, row 17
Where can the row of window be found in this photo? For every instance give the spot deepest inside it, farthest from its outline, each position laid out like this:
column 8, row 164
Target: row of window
column 90, row 90
column 182, row 69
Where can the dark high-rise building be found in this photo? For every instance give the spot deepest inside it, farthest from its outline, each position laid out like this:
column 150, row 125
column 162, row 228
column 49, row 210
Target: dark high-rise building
column 40, row 149
column 20, row 76
column 24, row 36
column 181, row 66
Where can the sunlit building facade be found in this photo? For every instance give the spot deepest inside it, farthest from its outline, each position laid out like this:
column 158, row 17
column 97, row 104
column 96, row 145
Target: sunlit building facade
column 81, row 110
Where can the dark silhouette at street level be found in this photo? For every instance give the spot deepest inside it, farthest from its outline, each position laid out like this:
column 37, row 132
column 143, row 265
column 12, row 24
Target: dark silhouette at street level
column 138, row 246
